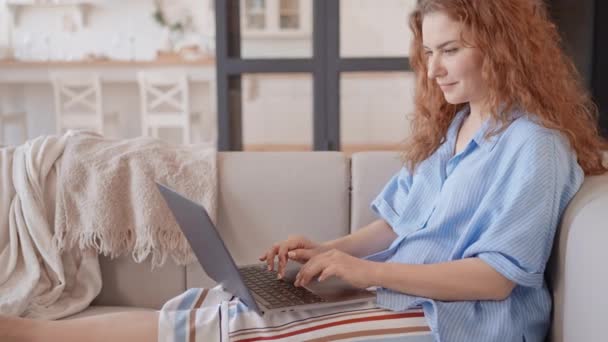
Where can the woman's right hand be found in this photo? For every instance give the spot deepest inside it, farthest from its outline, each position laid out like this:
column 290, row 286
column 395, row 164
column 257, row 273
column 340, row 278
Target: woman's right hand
column 297, row 248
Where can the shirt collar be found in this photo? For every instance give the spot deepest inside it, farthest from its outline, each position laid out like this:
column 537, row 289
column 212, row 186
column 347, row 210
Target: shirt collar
column 488, row 125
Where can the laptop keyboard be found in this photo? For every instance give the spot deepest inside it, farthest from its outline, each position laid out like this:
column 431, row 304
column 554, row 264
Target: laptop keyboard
column 277, row 292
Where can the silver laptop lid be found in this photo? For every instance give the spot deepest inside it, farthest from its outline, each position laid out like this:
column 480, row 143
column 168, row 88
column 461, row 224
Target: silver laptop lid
column 207, row 244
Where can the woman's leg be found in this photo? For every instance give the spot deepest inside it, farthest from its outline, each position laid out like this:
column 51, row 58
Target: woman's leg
column 127, row 326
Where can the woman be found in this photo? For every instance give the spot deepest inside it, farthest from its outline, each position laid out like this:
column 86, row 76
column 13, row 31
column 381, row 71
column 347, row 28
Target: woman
column 503, row 136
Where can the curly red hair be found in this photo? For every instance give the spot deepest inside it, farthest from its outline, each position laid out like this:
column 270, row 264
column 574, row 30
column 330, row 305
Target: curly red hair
column 523, row 66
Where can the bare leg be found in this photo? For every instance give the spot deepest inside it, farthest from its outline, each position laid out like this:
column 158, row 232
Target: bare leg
column 127, row 326
column 10, row 328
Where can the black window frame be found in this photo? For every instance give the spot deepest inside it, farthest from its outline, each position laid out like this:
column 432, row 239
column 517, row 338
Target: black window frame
column 599, row 78
column 326, row 66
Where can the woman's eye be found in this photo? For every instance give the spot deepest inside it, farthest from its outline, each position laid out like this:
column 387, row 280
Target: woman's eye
column 428, row 53
column 451, row 51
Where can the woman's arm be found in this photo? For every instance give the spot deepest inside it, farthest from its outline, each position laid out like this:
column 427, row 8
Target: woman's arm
column 465, row 279
column 374, row 237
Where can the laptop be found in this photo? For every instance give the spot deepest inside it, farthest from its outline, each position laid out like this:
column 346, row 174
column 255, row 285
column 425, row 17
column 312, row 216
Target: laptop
column 255, row 286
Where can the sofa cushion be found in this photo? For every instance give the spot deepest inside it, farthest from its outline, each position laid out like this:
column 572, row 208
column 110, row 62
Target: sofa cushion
column 127, row 283
column 266, row 196
column 370, row 172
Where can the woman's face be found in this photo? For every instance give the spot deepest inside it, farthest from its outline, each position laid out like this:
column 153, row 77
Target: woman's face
column 455, row 67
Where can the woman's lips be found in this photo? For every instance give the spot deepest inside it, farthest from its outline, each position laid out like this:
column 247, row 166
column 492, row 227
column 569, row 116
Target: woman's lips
column 447, row 86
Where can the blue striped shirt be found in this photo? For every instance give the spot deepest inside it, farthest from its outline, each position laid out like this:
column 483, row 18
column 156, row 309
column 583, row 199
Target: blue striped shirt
column 500, row 200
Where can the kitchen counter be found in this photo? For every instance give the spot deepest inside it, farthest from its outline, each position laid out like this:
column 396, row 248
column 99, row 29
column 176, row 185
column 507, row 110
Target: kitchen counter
column 113, row 71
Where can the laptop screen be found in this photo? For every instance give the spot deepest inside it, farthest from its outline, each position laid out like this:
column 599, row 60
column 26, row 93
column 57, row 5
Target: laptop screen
column 207, row 244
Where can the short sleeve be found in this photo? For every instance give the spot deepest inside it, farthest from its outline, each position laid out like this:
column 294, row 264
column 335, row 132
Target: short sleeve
column 388, row 203
column 524, row 208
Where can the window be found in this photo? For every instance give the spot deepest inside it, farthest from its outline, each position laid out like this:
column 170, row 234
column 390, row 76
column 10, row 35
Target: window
column 271, row 17
column 289, row 12
column 374, row 107
column 270, row 98
column 255, row 14
column 277, row 112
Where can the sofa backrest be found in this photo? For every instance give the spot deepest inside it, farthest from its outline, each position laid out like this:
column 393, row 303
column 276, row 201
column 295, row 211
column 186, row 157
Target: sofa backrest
column 263, row 197
column 370, row 171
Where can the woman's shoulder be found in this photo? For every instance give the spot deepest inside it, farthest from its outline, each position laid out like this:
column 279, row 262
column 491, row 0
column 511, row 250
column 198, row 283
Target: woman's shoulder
column 543, row 150
column 528, row 144
column 527, row 132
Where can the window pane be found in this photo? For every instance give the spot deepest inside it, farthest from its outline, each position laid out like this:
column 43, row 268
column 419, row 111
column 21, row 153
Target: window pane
column 374, row 110
column 255, row 14
column 256, row 21
column 255, row 5
column 290, row 14
column 289, row 5
column 289, row 21
column 371, row 28
column 277, row 112
column 283, row 29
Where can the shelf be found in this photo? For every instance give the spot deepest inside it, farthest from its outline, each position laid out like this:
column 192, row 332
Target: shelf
column 81, row 7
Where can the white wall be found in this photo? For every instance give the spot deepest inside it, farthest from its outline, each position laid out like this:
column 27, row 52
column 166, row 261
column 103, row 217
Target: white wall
column 375, row 27
column 111, row 25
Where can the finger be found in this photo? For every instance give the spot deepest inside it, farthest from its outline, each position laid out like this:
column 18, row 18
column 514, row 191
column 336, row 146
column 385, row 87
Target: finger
column 299, row 274
column 307, row 265
column 306, row 275
column 270, row 256
column 301, row 255
column 309, row 272
column 293, row 256
column 282, row 259
column 327, row 272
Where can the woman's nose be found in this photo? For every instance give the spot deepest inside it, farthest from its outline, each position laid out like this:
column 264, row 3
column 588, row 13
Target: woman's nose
column 435, row 69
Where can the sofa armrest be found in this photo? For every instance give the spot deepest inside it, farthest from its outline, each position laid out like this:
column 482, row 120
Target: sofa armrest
column 577, row 270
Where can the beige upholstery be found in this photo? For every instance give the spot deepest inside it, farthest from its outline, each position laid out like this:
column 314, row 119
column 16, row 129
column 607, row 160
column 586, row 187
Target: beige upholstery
column 126, row 283
column 264, row 197
column 370, row 171
column 577, row 270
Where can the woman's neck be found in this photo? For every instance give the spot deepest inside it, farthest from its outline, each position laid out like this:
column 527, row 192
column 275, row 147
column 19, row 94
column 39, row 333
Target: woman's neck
column 478, row 112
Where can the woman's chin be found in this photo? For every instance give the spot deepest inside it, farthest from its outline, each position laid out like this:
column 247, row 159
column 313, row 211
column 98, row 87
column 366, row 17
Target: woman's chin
column 453, row 100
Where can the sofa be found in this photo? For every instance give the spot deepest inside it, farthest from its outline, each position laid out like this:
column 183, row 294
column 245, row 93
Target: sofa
column 267, row 196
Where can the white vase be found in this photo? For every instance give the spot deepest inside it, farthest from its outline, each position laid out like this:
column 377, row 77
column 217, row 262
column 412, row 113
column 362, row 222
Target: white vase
column 166, row 41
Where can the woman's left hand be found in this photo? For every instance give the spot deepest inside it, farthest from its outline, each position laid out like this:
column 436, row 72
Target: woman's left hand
column 355, row 271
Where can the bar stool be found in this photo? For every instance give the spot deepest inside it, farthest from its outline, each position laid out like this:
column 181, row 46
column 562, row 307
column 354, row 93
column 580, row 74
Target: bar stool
column 13, row 118
column 18, row 119
column 165, row 103
column 205, row 122
column 78, row 102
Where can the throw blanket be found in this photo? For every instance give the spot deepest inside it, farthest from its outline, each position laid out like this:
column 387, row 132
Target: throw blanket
column 201, row 315
column 107, row 198
column 64, row 199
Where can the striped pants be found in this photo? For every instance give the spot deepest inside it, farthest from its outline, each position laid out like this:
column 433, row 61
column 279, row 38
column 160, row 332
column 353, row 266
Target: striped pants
column 209, row 315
